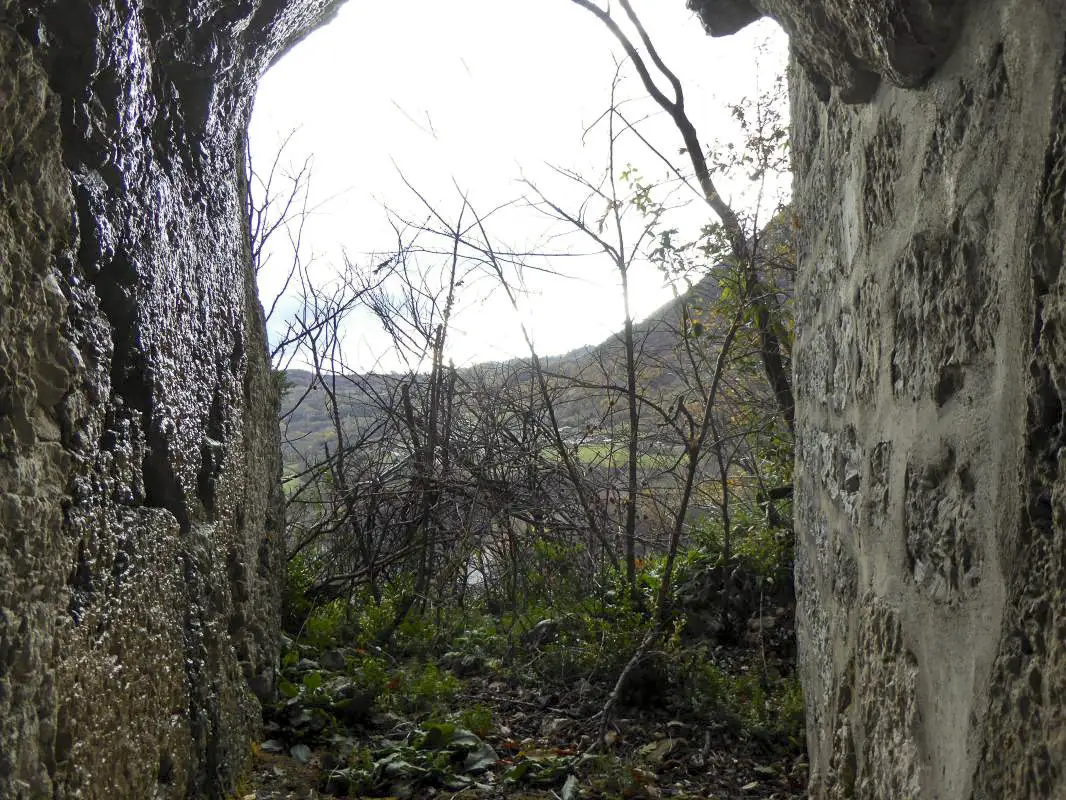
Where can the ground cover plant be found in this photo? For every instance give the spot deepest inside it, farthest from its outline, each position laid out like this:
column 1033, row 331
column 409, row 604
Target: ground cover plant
column 479, row 702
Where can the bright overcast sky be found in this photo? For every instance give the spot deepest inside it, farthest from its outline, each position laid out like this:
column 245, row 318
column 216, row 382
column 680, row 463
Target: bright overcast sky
column 480, row 94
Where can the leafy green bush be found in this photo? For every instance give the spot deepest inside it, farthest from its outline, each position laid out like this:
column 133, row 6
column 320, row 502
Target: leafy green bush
column 481, row 637
column 787, row 710
column 594, row 643
column 427, row 688
column 552, row 578
column 324, row 625
column 372, row 674
column 370, row 617
column 436, row 754
column 295, row 602
column 748, row 700
column 476, row 718
column 764, row 550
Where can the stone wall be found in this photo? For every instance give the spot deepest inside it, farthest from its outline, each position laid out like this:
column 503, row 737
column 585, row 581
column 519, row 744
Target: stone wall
column 139, row 509
column 139, row 514
column 930, row 368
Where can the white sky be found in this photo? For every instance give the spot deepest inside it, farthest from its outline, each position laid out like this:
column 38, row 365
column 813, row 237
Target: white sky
column 479, row 94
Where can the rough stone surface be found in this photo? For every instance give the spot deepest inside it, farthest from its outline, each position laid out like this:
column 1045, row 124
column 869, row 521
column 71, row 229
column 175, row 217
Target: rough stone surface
column 139, row 508
column 931, row 387
column 850, row 45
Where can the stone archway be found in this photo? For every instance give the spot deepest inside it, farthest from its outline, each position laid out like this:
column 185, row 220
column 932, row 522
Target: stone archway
column 139, row 506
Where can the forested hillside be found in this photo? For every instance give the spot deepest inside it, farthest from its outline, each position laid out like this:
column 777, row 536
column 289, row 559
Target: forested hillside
column 308, row 424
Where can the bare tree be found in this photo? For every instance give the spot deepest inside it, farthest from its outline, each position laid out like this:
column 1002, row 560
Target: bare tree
column 452, row 471
column 742, row 243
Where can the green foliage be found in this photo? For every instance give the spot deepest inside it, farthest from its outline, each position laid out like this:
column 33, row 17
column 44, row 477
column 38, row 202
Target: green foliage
column 765, row 551
column 358, row 621
column 282, row 382
column 593, row 650
column 320, row 624
column 752, row 702
column 427, row 688
column 313, row 701
column 324, row 625
column 418, row 635
column 538, row 768
column 760, row 548
column 373, row 676
column 552, row 579
column 436, row 754
column 787, row 709
column 417, row 688
column 593, row 642
column 476, row 718
column 298, row 579
column 482, row 641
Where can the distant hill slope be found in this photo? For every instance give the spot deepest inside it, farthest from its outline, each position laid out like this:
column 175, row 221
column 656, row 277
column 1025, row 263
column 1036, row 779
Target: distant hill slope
column 309, row 427
column 581, row 376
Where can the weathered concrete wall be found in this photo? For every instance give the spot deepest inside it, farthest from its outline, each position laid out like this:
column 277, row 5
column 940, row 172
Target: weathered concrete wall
column 139, row 514
column 930, row 372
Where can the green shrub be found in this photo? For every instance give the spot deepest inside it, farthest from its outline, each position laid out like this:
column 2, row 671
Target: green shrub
column 751, row 702
column 595, row 643
column 476, row 718
column 429, row 688
column 754, row 544
column 295, row 603
column 372, row 675
column 324, row 625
